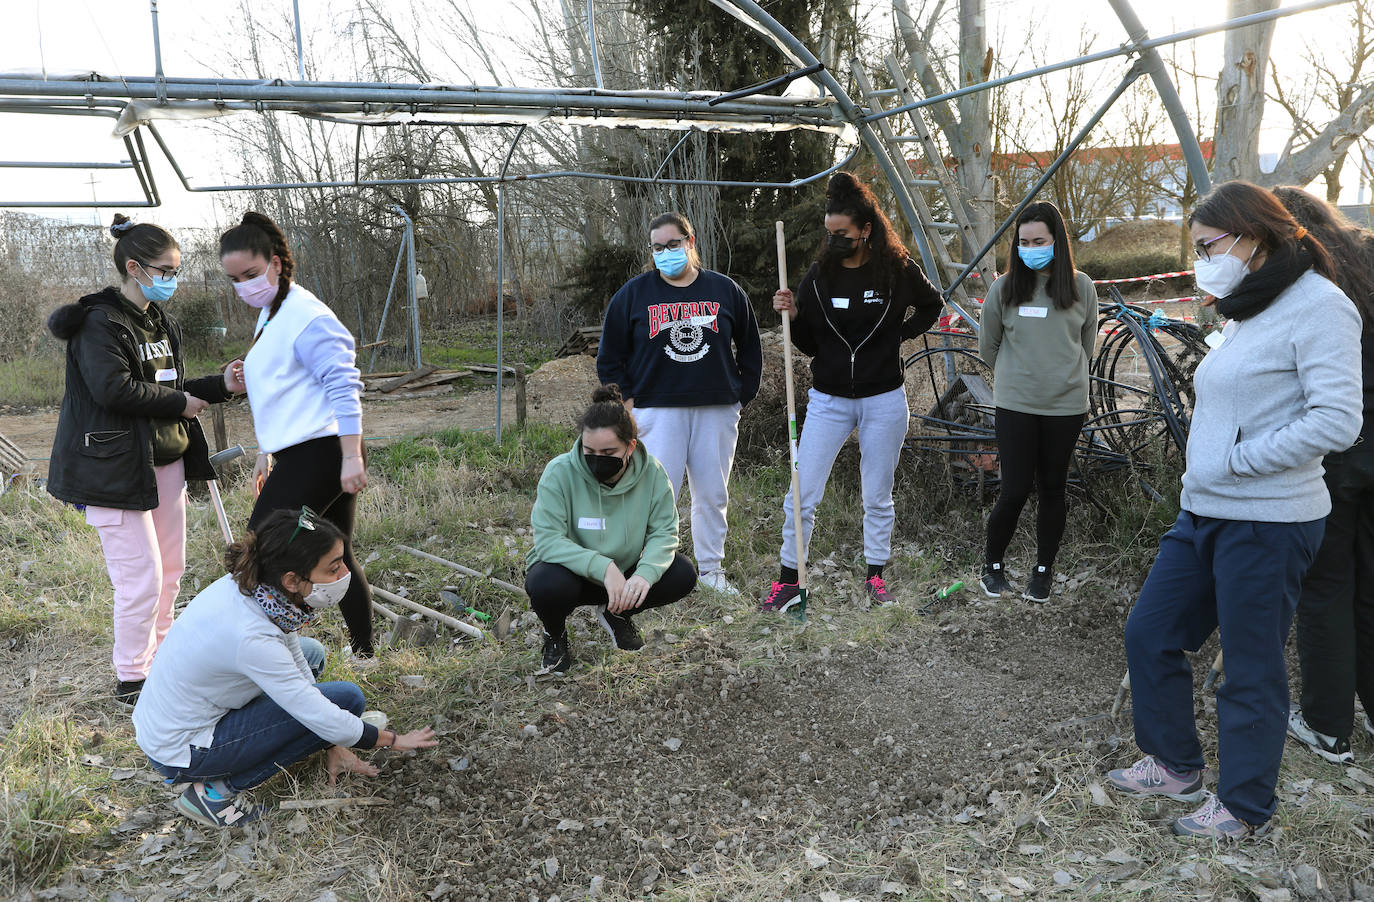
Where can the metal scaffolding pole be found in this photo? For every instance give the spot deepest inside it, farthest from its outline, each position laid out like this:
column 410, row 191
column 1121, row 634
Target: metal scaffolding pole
column 501, row 278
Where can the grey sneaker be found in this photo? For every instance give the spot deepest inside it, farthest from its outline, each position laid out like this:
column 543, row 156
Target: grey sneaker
column 1333, row 749
column 1147, row 777
column 1212, row 821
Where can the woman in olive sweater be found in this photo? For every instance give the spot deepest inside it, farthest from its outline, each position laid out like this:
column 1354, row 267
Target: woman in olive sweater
column 1039, row 327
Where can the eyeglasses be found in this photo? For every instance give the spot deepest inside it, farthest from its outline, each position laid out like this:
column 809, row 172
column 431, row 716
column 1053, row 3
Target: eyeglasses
column 160, row 273
column 1203, row 249
column 669, row 246
column 309, row 518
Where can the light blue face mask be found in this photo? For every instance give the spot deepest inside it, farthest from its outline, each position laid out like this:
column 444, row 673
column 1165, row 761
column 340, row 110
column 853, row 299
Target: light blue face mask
column 1036, row 257
column 160, row 290
column 671, row 262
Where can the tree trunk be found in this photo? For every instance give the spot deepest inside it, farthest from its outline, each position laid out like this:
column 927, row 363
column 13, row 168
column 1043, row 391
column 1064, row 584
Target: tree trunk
column 975, row 122
column 1240, row 93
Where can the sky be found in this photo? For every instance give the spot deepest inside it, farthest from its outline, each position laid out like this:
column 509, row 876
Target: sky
column 198, row 40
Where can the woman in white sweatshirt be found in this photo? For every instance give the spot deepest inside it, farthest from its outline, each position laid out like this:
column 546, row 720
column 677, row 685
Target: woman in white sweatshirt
column 231, row 698
column 306, row 395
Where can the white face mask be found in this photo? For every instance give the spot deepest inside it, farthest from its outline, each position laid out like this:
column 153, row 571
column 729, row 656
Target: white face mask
column 326, row 595
column 1220, row 275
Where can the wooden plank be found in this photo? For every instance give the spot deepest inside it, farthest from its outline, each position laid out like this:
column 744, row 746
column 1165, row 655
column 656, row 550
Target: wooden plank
column 409, row 377
column 11, row 458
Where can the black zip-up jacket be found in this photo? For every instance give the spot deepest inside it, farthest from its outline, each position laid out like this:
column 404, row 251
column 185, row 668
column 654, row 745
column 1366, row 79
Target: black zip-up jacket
column 871, row 363
column 1352, row 470
column 102, row 454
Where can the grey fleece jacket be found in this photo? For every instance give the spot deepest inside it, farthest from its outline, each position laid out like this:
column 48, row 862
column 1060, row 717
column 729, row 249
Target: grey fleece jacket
column 1281, row 391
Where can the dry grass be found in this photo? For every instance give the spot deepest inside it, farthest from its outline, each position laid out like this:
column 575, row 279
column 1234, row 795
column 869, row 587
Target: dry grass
column 78, row 808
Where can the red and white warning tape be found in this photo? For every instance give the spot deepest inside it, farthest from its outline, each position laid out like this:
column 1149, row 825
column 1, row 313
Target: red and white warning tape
column 1158, row 275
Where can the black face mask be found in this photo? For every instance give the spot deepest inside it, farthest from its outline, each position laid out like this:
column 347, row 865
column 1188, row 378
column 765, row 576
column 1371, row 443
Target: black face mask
column 604, row 467
column 840, row 247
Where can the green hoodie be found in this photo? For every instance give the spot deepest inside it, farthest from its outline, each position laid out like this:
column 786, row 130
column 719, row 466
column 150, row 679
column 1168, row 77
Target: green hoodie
column 584, row 525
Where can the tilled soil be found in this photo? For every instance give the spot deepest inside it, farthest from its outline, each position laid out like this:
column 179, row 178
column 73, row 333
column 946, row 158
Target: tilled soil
column 835, row 746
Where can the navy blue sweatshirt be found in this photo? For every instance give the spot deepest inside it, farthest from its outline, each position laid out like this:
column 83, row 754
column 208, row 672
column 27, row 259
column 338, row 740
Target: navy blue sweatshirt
column 694, row 346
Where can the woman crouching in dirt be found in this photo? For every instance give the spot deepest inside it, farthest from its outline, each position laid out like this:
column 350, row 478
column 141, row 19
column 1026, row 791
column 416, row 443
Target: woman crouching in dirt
column 1279, row 389
column 232, row 699
column 605, row 534
column 127, row 438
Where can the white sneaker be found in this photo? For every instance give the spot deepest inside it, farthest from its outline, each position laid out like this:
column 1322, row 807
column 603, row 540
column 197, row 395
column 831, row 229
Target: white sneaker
column 1333, row 749
column 716, row 582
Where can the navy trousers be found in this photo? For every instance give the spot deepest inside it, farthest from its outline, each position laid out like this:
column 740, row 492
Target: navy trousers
column 1245, row 578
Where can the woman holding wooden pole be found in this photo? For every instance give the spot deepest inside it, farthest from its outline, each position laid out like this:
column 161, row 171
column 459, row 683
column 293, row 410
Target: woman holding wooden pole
column 850, row 314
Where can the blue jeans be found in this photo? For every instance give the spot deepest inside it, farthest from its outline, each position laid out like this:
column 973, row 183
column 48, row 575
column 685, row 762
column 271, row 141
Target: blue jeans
column 256, row 741
column 1245, row 578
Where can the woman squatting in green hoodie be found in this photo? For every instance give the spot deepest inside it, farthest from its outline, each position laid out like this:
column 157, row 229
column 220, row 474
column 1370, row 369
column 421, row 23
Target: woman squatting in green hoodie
column 605, row 533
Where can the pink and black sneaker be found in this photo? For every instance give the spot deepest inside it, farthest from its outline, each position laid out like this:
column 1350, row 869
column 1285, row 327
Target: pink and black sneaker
column 877, row 590
column 781, row 597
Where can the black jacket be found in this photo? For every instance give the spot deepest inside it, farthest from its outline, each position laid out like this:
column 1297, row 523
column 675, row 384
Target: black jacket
column 1352, row 470
column 102, row 454
column 873, row 364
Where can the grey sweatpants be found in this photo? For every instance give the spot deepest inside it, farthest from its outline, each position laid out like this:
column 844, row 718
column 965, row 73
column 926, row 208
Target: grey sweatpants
column 882, row 423
column 701, row 441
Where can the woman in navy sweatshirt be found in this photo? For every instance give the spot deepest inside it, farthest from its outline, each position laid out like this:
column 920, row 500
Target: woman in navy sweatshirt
column 683, row 344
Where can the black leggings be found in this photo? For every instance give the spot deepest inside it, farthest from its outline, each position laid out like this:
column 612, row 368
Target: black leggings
column 555, row 591
column 1034, row 452
column 308, row 474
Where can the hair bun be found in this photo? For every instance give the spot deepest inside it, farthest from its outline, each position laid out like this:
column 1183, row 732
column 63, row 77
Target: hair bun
column 842, row 184
column 120, row 225
column 609, row 392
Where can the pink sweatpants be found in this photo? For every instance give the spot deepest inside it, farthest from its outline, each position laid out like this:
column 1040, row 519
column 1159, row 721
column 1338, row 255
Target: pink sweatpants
column 145, row 555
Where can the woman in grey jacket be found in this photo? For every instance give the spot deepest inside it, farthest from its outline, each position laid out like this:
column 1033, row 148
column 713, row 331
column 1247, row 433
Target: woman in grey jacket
column 1279, row 390
column 232, row 699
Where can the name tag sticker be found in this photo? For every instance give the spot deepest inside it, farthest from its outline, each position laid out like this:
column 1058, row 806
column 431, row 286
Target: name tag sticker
column 591, row 523
column 840, row 303
column 166, row 376
column 1214, row 340
column 1034, row 312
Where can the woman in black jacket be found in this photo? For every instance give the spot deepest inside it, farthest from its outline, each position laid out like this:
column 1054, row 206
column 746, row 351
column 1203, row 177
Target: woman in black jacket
column 127, row 437
column 850, row 315
column 1336, row 609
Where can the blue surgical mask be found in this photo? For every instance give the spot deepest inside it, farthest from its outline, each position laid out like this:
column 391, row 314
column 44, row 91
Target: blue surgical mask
column 160, row 290
column 1036, row 257
column 671, row 262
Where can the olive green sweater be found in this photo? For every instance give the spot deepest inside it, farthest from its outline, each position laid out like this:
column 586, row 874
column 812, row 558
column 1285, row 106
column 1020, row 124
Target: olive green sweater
column 1039, row 354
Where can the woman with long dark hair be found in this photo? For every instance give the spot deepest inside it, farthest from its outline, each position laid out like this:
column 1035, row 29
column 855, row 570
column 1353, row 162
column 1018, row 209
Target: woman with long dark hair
column 233, row 698
column 128, row 438
column 605, row 533
column 1039, row 328
column 1336, row 612
column 850, row 314
column 306, row 395
column 1279, row 389
column 683, row 344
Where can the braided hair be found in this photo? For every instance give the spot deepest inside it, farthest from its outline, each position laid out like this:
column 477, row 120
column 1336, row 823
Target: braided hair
column 257, row 234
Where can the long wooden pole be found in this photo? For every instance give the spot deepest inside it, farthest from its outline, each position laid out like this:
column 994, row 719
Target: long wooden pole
column 446, row 620
column 792, row 423
column 466, row 571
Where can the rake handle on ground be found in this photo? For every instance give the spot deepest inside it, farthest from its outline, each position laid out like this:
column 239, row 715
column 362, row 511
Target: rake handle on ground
column 791, row 415
column 446, row 620
column 466, row 571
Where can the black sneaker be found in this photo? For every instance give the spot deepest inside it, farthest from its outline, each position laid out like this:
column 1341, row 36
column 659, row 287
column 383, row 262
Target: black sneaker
column 624, row 634
column 1039, row 586
column 557, row 655
column 994, row 581
column 126, row 691
column 781, row 598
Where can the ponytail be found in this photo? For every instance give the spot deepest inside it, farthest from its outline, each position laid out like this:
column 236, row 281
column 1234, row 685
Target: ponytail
column 259, row 235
